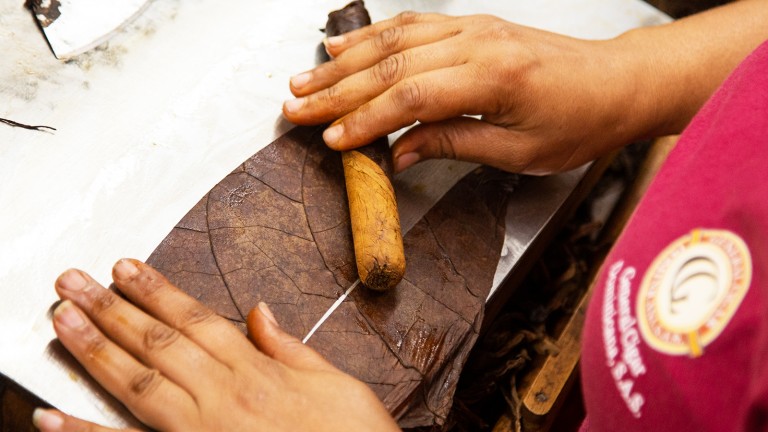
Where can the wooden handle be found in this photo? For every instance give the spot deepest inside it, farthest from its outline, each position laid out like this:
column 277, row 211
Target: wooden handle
column 374, row 217
column 372, row 206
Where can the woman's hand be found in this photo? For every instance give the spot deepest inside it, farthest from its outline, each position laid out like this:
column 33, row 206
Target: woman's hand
column 177, row 366
column 547, row 102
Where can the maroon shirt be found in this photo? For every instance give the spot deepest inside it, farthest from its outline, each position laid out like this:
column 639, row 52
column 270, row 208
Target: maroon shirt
column 676, row 336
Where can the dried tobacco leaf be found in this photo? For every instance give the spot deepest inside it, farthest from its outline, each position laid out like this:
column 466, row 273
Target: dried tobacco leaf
column 277, row 230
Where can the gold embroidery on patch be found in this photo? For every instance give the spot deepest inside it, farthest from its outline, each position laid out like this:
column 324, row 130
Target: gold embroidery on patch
column 692, row 290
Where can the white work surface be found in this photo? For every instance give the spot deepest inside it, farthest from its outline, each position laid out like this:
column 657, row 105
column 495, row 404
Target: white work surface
column 147, row 124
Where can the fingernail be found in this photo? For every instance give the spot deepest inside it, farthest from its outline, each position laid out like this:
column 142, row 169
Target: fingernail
column 72, row 280
column 333, row 134
column 301, row 80
column 405, row 160
column 294, row 105
column 268, row 313
column 125, row 269
column 47, row 420
column 68, row 316
column 333, row 41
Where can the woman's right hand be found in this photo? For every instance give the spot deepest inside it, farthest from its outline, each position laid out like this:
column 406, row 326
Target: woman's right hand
column 546, row 102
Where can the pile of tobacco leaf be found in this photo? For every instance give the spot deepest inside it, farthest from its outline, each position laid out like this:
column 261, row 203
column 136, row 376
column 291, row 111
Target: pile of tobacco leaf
column 522, row 334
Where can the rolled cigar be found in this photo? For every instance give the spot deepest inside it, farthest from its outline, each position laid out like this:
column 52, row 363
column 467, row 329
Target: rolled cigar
column 368, row 171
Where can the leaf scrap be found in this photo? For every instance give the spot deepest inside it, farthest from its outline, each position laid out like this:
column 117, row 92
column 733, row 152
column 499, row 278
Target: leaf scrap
column 25, row 126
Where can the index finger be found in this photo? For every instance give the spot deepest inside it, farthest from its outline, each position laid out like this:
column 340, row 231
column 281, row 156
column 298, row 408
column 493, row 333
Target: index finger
column 428, row 97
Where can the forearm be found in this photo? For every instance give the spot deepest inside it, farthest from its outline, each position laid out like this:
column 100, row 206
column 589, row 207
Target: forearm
column 679, row 65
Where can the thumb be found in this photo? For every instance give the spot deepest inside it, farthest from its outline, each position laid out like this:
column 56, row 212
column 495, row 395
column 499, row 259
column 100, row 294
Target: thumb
column 467, row 139
column 270, row 339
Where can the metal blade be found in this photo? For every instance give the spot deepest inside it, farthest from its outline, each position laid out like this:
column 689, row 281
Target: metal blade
column 75, row 26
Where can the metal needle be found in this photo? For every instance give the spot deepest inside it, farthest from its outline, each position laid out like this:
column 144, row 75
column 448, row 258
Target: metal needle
column 330, row 310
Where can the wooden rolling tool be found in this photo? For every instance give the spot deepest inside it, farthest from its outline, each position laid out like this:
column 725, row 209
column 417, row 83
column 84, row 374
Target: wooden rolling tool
column 374, row 217
column 372, row 205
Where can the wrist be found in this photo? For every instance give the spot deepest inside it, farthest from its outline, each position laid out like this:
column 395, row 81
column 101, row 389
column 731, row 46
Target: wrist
column 652, row 95
column 678, row 66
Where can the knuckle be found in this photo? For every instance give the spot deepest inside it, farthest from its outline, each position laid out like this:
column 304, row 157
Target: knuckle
column 516, row 75
column 445, row 146
column 483, row 20
column 357, row 123
column 498, row 79
column 407, row 17
column 500, row 31
column 129, row 278
column 390, row 40
column 331, row 69
column 196, row 315
column 454, row 32
column 410, row 95
column 333, row 97
column 102, row 300
column 144, row 382
column 256, row 399
column 159, row 336
column 488, row 18
column 249, row 399
column 150, row 282
column 95, row 343
column 390, row 70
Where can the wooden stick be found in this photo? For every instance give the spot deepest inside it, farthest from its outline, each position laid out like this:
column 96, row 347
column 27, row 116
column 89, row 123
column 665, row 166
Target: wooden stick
column 373, row 211
column 374, row 217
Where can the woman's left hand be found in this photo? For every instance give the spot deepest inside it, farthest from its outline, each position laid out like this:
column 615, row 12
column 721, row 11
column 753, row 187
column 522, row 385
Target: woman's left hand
column 177, row 366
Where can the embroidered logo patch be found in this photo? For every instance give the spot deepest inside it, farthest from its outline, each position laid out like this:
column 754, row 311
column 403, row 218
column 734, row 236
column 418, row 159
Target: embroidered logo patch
column 692, row 290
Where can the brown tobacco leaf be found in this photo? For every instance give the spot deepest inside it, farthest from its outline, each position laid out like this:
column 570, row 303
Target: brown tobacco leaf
column 277, row 230
column 274, row 230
